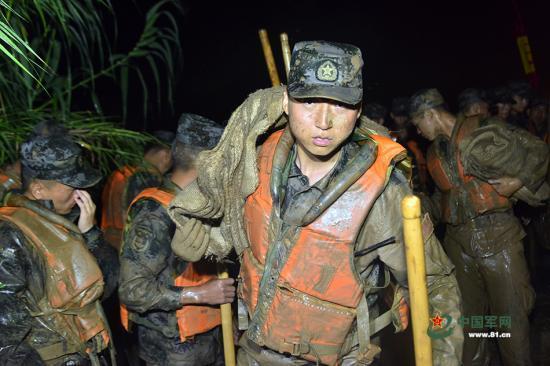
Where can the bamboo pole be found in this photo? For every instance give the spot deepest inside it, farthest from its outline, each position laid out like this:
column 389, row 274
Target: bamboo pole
column 416, row 273
column 269, row 60
column 285, row 46
column 227, row 325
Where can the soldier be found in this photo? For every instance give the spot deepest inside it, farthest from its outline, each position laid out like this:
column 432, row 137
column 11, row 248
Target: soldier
column 53, row 272
column 400, row 118
column 537, row 112
column 124, row 185
column 473, row 102
column 160, row 291
column 402, row 133
column 483, row 238
column 500, row 103
column 318, row 202
column 521, row 94
column 376, row 112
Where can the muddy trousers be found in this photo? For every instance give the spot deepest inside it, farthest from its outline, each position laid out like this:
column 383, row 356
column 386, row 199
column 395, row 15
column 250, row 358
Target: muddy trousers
column 496, row 285
column 204, row 350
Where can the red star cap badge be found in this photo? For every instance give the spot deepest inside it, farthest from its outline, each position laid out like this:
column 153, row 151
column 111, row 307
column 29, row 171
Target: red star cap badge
column 437, row 321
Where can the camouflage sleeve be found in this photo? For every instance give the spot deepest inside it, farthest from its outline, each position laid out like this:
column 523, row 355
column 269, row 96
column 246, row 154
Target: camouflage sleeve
column 144, row 255
column 106, row 257
column 15, row 320
column 385, row 221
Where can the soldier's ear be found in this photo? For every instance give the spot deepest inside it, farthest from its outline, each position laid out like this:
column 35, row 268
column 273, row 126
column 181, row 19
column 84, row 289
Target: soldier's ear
column 285, row 101
column 36, row 188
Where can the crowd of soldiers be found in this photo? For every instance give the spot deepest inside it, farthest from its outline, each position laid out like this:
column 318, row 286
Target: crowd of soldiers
column 303, row 187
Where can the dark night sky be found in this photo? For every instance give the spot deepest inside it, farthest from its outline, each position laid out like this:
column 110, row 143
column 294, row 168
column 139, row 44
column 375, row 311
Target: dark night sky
column 406, row 46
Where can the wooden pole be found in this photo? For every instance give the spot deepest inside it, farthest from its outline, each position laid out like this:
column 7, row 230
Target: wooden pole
column 416, row 273
column 269, row 60
column 227, row 325
column 285, row 46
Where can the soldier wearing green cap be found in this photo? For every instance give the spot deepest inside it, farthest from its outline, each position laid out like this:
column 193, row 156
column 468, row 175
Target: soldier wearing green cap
column 169, row 302
column 483, row 238
column 54, row 272
column 309, row 195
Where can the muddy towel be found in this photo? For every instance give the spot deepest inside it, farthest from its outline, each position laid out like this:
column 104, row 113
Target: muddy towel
column 228, row 173
column 497, row 150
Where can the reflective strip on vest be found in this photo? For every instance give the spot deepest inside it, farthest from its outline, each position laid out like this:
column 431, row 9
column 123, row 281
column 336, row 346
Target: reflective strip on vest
column 318, row 291
column 192, row 319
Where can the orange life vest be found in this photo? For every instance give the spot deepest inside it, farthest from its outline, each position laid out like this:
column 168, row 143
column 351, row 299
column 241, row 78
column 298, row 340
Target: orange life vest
column 318, row 291
column 420, row 161
column 73, row 281
column 8, row 182
column 192, row 319
column 113, row 214
column 463, row 196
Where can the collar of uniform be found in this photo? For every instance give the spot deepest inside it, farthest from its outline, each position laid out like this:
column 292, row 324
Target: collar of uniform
column 348, row 150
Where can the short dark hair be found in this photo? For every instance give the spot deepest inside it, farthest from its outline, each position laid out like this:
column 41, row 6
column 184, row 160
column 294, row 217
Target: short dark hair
column 375, row 111
column 184, row 156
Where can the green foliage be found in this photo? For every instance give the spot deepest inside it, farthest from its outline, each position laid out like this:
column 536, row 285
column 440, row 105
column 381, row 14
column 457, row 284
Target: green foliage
column 76, row 52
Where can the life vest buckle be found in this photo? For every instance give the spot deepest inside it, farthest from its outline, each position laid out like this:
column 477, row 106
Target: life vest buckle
column 295, row 348
column 368, row 357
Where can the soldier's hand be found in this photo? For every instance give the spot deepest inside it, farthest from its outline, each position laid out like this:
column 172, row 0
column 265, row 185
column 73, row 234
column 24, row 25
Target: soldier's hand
column 191, row 241
column 214, row 292
column 87, row 210
column 506, row 186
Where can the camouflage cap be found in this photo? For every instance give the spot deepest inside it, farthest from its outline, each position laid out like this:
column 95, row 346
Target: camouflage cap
column 425, row 99
column 320, row 69
column 57, row 158
column 195, row 130
column 469, row 96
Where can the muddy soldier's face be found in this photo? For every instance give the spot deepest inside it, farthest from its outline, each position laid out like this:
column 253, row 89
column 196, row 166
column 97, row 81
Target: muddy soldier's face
column 320, row 126
column 61, row 195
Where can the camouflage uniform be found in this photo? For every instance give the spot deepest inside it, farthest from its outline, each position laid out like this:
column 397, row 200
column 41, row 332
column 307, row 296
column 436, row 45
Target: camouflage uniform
column 330, row 71
column 487, row 251
column 23, row 271
column 148, row 269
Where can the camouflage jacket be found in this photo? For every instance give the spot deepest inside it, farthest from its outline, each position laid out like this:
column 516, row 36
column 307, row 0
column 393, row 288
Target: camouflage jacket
column 148, row 267
column 383, row 222
column 22, row 279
